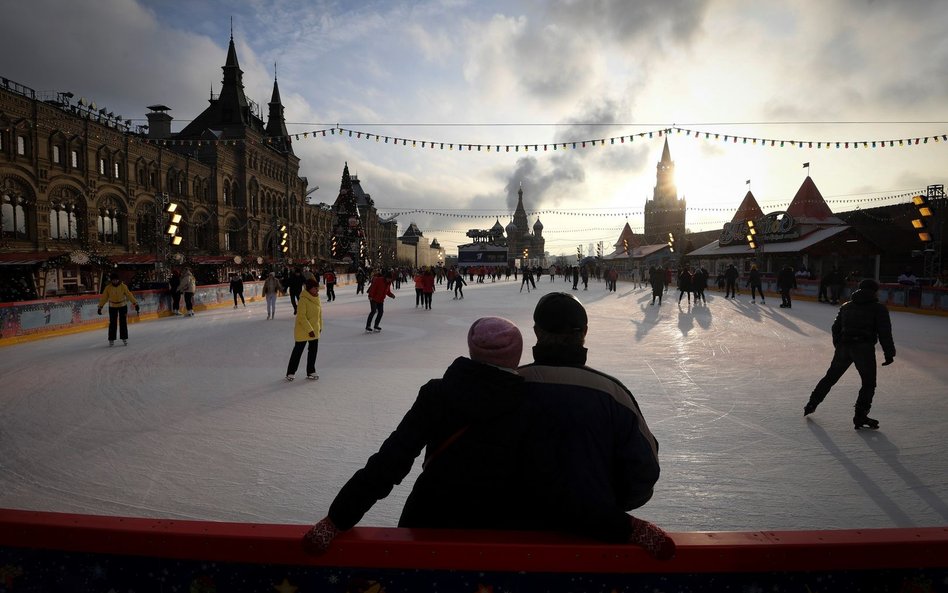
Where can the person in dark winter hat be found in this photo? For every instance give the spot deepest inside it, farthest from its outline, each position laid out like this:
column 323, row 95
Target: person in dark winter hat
column 496, row 341
column 860, row 323
column 595, row 474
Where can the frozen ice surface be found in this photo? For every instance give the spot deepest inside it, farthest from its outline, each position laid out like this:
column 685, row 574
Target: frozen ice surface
column 194, row 420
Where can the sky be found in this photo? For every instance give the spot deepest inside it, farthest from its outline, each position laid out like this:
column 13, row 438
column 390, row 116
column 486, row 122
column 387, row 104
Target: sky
column 524, row 73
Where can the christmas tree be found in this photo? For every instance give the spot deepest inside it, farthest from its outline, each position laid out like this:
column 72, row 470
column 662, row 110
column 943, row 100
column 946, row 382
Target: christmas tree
column 347, row 232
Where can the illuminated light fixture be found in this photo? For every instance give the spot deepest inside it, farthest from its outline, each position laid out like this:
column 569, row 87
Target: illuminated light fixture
column 171, row 207
column 176, row 241
column 919, row 224
column 172, row 229
column 175, row 218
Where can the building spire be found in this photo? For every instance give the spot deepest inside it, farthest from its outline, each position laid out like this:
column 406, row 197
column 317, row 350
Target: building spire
column 276, row 123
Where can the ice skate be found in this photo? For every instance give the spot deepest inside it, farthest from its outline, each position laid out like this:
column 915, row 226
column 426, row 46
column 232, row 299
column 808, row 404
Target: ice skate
column 111, row 343
column 125, row 342
column 290, row 377
column 377, row 329
column 312, row 377
column 863, row 421
column 368, row 330
column 809, row 408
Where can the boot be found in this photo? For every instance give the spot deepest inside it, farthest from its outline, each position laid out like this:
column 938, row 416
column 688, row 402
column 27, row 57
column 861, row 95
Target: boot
column 861, row 419
column 809, row 408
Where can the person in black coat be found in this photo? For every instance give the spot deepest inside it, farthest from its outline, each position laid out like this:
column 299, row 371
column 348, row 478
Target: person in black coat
column 756, row 284
column 730, row 280
column 656, row 277
column 860, row 323
column 237, row 288
column 786, row 281
column 294, row 285
column 684, row 284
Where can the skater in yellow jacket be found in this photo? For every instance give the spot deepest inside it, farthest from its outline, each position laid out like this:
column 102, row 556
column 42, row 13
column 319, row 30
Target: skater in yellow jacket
column 118, row 296
column 309, row 322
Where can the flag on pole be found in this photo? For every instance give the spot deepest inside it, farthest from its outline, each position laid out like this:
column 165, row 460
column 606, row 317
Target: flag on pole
column 806, row 165
column 748, row 182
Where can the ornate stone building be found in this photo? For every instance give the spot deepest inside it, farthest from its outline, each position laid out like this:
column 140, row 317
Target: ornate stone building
column 519, row 236
column 77, row 179
column 665, row 213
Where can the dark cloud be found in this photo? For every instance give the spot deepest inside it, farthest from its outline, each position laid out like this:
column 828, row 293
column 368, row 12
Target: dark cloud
column 539, row 183
column 624, row 21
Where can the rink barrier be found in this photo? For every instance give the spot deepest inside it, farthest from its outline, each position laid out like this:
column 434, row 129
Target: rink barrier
column 43, row 551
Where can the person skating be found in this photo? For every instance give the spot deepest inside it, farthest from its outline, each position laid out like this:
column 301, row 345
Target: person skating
column 188, row 287
column 859, row 324
column 786, row 281
column 379, row 289
column 684, row 284
column 237, row 289
column 309, row 323
column 730, row 280
column 656, row 278
column 756, row 285
column 173, row 283
column 118, row 296
column 330, row 278
column 271, row 286
column 294, row 286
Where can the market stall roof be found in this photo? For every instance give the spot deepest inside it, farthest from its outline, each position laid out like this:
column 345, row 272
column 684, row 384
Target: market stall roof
column 638, row 252
column 714, row 249
column 27, row 258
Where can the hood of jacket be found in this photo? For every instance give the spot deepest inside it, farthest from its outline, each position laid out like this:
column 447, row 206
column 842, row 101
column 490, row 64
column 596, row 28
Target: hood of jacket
column 478, row 391
column 559, row 355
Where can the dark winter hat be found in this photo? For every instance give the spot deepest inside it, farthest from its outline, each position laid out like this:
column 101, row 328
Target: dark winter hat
column 496, row 341
column 310, row 283
column 869, row 284
column 560, row 313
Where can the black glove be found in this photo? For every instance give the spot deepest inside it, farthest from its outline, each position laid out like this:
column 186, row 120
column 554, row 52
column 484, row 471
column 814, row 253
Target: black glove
column 99, row 311
column 319, row 536
column 888, row 361
column 137, row 308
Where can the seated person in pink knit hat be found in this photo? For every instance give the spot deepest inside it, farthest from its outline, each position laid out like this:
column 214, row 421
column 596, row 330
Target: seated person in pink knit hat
column 466, row 421
column 486, row 456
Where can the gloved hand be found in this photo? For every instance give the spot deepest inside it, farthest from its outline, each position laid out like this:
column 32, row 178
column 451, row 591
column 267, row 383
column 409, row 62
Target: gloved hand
column 319, row 536
column 888, row 361
column 312, row 334
column 651, row 537
column 137, row 308
column 99, row 310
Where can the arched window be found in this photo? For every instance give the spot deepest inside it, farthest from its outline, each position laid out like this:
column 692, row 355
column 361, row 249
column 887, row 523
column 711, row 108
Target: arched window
column 66, row 215
column 109, row 224
column 226, row 193
column 146, row 226
column 201, row 232
column 231, row 236
column 16, row 208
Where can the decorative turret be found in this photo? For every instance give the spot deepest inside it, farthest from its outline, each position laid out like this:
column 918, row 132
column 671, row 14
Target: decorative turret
column 538, row 227
column 278, row 137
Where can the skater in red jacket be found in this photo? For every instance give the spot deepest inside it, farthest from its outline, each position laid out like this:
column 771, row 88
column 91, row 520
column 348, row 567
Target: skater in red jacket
column 380, row 288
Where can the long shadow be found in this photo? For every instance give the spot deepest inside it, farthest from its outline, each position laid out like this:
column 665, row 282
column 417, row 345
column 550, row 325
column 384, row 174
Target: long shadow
column 650, row 315
column 889, row 506
column 686, row 319
column 889, row 452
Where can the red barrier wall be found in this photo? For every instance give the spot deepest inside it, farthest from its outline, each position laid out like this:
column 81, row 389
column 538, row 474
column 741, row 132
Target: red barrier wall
column 920, row 554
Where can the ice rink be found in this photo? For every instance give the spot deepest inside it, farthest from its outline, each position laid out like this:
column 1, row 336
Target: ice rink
column 194, row 420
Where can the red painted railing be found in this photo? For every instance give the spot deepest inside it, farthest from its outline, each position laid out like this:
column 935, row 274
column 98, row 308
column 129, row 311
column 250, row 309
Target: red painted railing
column 403, row 559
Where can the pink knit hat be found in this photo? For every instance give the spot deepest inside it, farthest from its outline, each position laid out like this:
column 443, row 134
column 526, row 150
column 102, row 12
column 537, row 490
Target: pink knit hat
column 496, row 341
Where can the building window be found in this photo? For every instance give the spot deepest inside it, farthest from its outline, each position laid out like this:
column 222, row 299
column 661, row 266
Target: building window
column 56, row 155
column 13, row 215
column 108, row 226
column 74, row 158
column 226, row 195
column 21, row 145
column 115, row 171
column 101, row 166
column 63, row 223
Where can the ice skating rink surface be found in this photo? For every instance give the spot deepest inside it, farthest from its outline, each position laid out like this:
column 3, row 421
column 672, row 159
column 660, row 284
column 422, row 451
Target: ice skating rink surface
column 193, row 420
